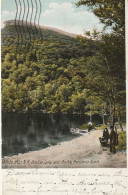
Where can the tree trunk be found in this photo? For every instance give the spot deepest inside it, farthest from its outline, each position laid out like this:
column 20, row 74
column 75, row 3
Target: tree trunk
column 113, row 104
column 120, row 123
column 103, row 112
column 112, row 113
column 103, row 119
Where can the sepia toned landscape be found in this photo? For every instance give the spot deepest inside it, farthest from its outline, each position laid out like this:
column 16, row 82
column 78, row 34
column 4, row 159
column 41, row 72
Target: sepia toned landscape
column 64, row 93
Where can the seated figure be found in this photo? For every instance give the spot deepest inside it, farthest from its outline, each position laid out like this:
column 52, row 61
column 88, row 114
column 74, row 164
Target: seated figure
column 104, row 138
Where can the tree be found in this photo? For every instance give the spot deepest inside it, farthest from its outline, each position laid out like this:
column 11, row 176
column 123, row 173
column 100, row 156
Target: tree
column 78, row 102
column 95, row 104
column 113, row 50
column 110, row 12
column 105, row 82
column 106, row 71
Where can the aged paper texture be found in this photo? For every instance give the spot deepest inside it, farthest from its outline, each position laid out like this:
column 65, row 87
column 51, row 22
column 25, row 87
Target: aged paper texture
column 64, row 119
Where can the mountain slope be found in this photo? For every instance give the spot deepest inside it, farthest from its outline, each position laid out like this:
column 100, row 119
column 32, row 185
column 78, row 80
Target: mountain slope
column 43, row 74
column 12, row 22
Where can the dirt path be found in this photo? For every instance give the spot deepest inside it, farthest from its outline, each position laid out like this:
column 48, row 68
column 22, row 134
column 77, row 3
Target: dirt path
column 82, row 152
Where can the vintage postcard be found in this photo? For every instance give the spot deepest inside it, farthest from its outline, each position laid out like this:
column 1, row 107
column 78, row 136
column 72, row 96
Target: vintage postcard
column 63, row 84
column 63, row 97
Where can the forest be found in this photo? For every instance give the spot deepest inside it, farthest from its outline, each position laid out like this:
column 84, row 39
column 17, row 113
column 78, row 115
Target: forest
column 56, row 73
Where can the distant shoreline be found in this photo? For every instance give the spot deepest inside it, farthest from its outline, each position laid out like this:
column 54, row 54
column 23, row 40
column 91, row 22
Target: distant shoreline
column 31, row 112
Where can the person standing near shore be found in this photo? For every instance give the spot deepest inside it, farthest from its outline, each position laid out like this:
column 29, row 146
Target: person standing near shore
column 89, row 126
column 112, row 140
column 106, row 134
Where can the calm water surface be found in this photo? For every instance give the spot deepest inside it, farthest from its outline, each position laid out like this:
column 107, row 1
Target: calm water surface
column 22, row 132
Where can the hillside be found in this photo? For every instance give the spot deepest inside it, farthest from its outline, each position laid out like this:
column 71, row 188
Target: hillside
column 43, row 73
column 12, row 22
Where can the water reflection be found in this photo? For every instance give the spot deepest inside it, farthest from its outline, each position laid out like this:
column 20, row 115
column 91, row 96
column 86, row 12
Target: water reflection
column 22, row 132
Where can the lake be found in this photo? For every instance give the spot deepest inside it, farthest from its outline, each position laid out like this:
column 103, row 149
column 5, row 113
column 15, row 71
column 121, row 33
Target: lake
column 24, row 132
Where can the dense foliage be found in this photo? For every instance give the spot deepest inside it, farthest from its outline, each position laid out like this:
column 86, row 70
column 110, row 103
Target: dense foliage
column 48, row 74
column 110, row 12
column 64, row 74
column 106, row 70
column 121, row 141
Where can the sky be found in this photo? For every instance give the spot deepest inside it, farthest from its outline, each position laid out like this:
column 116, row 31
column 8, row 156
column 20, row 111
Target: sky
column 62, row 14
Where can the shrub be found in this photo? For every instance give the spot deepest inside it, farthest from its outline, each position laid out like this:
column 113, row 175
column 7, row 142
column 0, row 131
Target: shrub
column 85, row 126
column 121, row 141
column 101, row 127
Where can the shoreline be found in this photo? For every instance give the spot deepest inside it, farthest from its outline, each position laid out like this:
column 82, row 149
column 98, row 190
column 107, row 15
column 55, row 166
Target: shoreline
column 81, row 152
